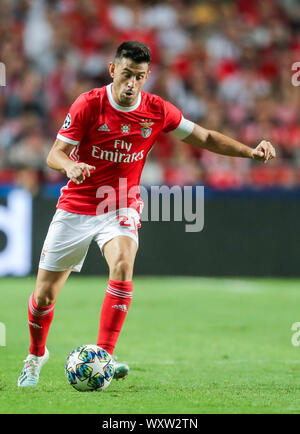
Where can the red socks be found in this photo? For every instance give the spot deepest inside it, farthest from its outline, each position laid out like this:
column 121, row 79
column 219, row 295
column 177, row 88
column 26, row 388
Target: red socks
column 40, row 319
column 113, row 312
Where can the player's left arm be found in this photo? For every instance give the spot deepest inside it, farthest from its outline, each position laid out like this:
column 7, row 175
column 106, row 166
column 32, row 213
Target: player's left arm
column 221, row 144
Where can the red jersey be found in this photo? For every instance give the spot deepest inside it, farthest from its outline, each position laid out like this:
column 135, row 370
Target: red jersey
column 114, row 139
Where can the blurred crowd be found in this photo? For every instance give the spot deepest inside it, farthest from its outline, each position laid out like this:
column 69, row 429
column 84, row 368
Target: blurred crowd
column 226, row 64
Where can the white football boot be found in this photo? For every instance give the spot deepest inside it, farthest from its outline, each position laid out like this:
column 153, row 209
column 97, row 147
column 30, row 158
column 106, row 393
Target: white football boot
column 31, row 371
column 121, row 369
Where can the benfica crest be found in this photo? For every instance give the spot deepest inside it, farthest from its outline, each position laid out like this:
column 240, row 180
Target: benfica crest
column 146, row 130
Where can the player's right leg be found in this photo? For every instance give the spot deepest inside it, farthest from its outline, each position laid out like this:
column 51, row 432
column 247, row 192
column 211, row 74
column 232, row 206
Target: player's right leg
column 64, row 250
column 40, row 314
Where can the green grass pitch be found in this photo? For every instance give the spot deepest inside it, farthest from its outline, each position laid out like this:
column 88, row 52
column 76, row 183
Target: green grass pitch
column 194, row 345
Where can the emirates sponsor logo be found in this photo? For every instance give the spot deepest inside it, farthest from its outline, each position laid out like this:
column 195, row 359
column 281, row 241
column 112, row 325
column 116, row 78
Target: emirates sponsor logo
column 119, row 154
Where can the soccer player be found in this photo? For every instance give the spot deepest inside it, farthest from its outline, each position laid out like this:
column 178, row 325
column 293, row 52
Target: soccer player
column 102, row 147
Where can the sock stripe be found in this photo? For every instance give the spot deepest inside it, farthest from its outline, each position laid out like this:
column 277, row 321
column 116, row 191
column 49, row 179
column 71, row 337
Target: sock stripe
column 36, row 312
column 118, row 292
column 39, row 321
column 114, row 310
column 118, row 289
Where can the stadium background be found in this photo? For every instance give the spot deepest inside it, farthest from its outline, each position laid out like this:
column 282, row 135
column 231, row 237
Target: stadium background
column 226, row 64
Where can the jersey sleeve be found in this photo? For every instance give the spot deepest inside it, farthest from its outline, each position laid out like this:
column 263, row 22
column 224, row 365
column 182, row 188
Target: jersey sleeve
column 184, row 129
column 172, row 117
column 175, row 122
column 76, row 121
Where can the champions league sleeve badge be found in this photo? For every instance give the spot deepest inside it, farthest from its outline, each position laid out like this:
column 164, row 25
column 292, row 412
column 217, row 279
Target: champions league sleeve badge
column 67, row 122
column 146, row 129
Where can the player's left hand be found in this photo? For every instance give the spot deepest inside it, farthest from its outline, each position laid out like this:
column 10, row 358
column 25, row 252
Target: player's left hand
column 264, row 151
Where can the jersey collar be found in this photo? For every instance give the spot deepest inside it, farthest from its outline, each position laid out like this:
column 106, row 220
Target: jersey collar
column 120, row 107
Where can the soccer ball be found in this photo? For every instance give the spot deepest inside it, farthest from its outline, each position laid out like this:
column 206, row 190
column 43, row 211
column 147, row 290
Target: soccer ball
column 89, row 368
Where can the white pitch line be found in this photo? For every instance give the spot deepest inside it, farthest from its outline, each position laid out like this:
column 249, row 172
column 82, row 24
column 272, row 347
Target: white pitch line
column 237, row 361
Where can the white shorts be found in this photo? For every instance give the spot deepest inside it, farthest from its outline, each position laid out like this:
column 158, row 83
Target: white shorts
column 70, row 235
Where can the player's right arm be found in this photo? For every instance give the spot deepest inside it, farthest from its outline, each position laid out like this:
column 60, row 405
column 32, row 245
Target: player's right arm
column 69, row 136
column 58, row 159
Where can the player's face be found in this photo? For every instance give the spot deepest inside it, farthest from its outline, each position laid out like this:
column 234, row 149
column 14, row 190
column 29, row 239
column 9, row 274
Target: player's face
column 128, row 80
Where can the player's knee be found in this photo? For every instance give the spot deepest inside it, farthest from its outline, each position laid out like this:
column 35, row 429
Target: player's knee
column 43, row 295
column 121, row 270
column 44, row 300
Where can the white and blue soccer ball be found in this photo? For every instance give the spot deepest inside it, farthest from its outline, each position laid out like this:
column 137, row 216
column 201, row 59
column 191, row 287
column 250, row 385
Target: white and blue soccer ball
column 89, row 368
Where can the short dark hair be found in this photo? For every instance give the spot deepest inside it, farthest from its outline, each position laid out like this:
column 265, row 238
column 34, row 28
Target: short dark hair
column 134, row 50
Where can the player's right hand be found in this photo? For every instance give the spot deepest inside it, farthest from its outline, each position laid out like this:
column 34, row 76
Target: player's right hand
column 79, row 171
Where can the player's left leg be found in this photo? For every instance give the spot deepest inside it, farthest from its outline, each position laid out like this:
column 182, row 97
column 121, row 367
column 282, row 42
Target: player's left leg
column 120, row 253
